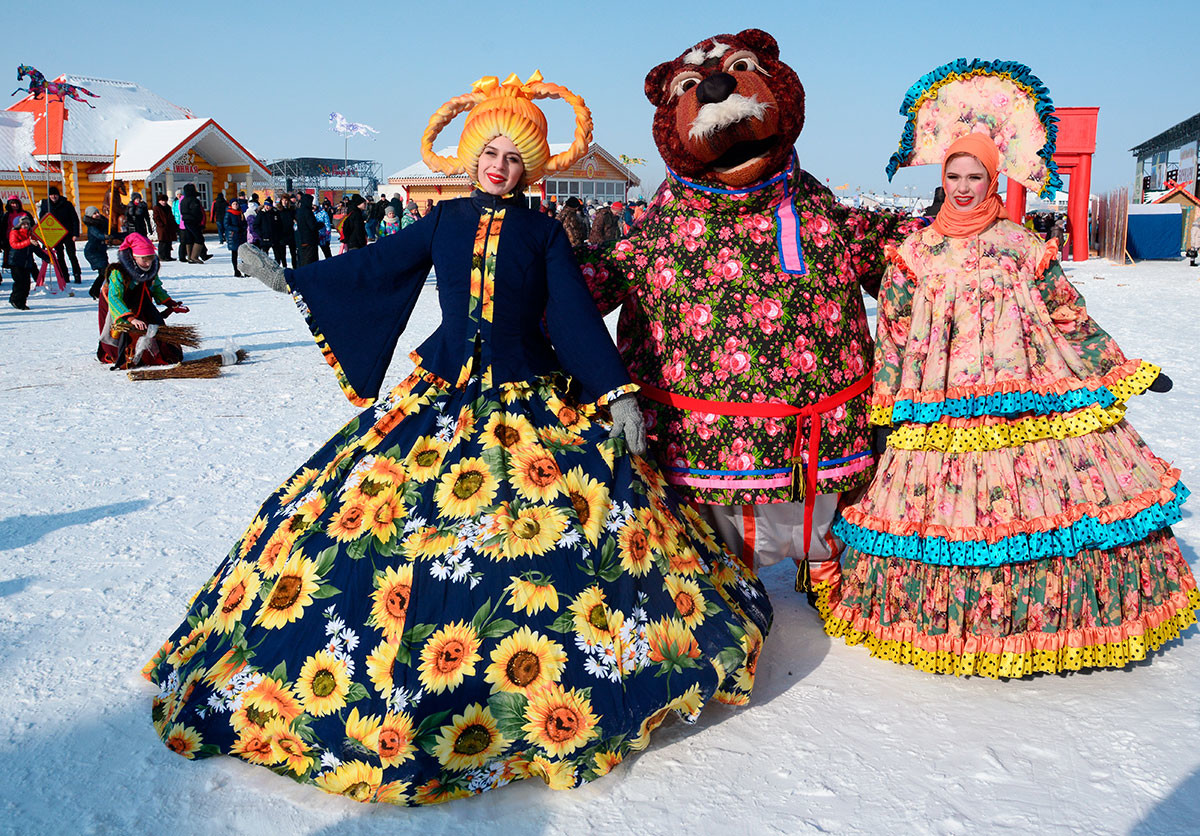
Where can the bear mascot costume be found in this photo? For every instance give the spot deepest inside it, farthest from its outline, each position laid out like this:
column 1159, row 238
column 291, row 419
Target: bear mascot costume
column 742, row 314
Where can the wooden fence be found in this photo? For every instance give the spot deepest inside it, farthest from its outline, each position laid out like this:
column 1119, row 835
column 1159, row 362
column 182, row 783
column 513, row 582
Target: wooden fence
column 1113, row 222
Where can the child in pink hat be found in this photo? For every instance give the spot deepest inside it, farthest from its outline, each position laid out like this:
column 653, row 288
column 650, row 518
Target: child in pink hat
column 130, row 291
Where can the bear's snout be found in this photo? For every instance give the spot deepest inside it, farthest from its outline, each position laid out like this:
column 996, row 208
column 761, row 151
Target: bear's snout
column 715, row 88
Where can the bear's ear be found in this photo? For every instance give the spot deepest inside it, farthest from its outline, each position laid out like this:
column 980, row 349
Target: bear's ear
column 655, row 79
column 760, row 42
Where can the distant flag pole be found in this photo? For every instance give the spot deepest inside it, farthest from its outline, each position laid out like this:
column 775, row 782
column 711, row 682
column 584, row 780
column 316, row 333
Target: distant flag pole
column 347, row 129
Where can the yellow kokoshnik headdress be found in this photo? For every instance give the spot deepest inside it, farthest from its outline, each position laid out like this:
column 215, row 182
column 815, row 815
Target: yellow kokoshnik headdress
column 507, row 109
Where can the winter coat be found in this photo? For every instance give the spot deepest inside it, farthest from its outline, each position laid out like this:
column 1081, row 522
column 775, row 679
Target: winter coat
column 354, row 229
column 253, row 234
column 573, row 225
column 96, row 249
column 10, row 223
column 64, row 212
column 220, row 204
column 360, row 302
column 23, row 246
column 191, row 214
column 137, row 218
column 324, row 223
column 285, row 225
column 235, row 226
column 390, row 225
column 164, row 223
column 308, row 231
column 605, row 228
column 267, row 224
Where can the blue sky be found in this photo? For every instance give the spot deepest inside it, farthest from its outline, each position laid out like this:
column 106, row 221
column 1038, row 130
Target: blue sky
column 270, row 73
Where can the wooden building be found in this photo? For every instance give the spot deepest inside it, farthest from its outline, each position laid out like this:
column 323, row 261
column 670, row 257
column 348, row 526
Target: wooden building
column 597, row 175
column 159, row 147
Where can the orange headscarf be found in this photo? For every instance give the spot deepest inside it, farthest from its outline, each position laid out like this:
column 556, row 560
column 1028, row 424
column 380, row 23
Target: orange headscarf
column 958, row 223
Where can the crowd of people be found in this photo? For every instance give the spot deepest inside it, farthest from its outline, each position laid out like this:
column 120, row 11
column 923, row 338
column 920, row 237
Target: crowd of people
column 593, row 223
column 293, row 226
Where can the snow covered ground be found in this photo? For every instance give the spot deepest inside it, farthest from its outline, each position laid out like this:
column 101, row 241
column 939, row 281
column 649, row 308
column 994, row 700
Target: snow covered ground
column 119, row 499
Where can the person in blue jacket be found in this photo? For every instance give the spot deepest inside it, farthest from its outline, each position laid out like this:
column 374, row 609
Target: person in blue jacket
column 478, row 579
column 236, row 230
column 324, row 216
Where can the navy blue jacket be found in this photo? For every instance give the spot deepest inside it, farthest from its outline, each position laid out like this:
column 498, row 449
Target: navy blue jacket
column 359, row 303
column 235, row 226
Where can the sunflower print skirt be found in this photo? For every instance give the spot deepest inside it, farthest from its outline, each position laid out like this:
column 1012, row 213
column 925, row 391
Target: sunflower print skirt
column 464, row 587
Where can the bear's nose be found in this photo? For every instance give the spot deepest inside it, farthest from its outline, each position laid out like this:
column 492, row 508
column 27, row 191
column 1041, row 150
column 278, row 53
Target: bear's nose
column 715, row 88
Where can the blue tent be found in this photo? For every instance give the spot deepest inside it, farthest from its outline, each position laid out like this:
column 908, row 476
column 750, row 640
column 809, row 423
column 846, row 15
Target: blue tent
column 1155, row 230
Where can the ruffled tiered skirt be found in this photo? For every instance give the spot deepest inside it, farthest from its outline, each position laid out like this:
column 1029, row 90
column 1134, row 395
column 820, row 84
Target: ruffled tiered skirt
column 1037, row 540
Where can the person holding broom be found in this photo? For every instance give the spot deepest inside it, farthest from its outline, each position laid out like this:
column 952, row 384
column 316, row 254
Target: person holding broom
column 129, row 317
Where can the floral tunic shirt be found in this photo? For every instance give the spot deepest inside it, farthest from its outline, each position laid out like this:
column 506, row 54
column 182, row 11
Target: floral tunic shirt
column 748, row 297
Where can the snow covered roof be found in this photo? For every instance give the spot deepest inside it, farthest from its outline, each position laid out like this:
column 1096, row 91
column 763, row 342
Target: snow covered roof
column 142, row 146
column 124, row 107
column 150, row 131
column 16, row 141
column 420, row 171
column 152, row 146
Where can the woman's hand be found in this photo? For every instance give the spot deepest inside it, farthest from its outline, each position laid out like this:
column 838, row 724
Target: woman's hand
column 136, row 324
column 628, row 421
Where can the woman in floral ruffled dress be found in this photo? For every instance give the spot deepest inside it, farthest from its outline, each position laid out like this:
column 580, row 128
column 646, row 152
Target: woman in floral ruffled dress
column 1016, row 523
column 473, row 582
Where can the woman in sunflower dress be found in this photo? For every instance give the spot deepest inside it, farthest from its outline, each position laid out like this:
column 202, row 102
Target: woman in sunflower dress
column 1016, row 523
column 471, row 582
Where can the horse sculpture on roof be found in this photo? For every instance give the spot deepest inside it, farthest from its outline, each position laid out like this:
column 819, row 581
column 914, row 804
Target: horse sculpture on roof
column 38, row 86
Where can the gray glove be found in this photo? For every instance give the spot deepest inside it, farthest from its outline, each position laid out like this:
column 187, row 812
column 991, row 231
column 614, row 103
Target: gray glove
column 628, row 421
column 254, row 262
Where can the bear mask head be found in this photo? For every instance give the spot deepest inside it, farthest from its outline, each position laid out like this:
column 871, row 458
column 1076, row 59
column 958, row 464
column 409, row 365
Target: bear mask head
column 728, row 111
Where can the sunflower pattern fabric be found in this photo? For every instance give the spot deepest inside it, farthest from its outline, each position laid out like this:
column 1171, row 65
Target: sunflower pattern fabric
column 469, row 584
column 1016, row 524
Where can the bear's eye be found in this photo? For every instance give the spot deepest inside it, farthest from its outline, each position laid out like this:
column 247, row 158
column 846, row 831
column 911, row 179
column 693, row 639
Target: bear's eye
column 683, row 82
column 742, row 62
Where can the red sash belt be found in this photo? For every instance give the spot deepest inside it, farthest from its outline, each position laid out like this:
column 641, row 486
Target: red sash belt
column 812, row 413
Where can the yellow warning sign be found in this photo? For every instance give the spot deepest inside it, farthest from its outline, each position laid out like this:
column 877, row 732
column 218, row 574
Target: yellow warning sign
column 50, row 231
